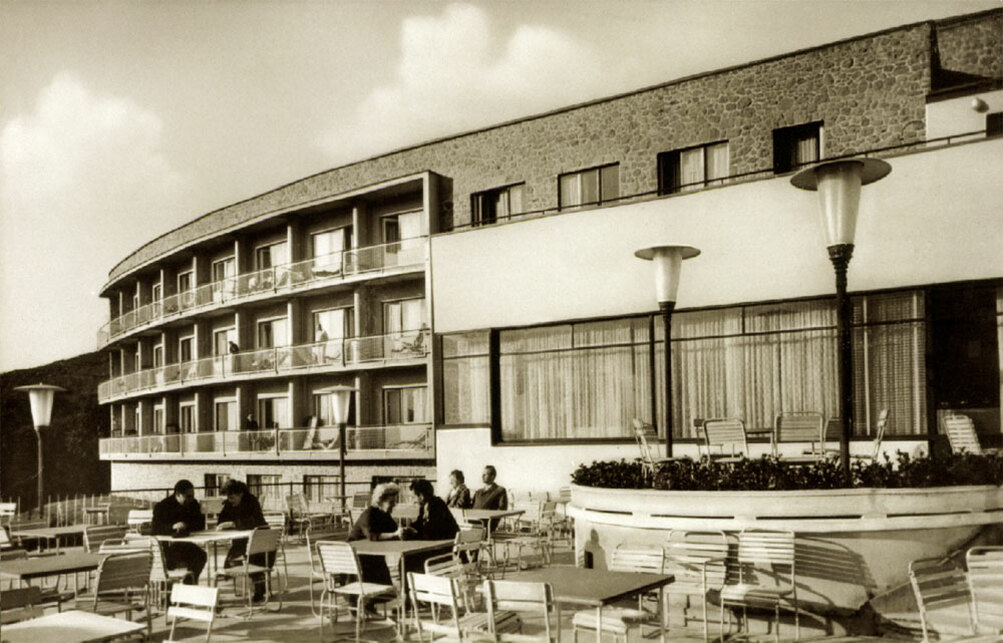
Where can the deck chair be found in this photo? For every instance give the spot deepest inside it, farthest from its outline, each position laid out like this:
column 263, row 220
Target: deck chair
column 725, row 440
column 698, row 560
column 262, row 541
column 343, row 578
column 121, row 586
column 94, row 535
column 20, row 604
column 943, row 597
column 962, row 436
column 766, row 577
column 799, row 426
column 506, row 599
column 619, row 620
column 437, row 592
column 415, row 346
column 193, row 602
column 985, row 583
column 649, row 461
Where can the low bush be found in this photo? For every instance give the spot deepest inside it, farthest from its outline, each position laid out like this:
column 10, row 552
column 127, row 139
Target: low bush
column 770, row 473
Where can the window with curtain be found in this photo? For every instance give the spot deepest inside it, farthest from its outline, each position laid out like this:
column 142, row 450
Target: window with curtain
column 275, row 254
column 796, row 146
column 466, row 392
column 589, row 187
column 273, row 412
column 406, row 405
column 693, row 168
column 491, row 205
column 320, row 488
column 326, row 248
column 273, row 333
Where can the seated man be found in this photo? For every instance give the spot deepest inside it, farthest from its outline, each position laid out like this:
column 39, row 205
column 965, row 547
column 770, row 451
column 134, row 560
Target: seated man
column 491, row 495
column 180, row 514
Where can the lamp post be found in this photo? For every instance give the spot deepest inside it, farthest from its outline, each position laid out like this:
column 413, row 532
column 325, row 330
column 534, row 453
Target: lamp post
column 341, row 403
column 668, row 260
column 838, row 186
column 41, row 397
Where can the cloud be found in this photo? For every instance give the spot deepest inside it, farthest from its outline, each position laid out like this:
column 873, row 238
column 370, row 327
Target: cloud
column 455, row 74
column 84, row 181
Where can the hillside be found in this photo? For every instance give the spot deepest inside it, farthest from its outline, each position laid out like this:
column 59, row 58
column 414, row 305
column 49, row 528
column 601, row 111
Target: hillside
column 71, row 443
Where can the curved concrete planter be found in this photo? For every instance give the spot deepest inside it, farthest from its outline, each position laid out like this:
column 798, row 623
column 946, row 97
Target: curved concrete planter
column 852, row 544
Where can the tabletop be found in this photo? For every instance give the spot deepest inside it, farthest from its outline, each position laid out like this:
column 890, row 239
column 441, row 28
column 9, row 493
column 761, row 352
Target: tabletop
column 208, row 536
column 49, row 532
column 593, row 587
column 386, row 547
column 28, row 568
column 70, row 627
column 485, row 514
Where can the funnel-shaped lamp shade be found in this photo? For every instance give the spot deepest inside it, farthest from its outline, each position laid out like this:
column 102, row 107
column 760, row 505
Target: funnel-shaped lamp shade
column 838, row 185
column 41, row 397
column 341, row 402
column 668, row 261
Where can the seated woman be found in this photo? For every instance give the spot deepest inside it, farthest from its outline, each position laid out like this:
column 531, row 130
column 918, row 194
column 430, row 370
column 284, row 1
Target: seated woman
column 376, row 523
column 435, row 521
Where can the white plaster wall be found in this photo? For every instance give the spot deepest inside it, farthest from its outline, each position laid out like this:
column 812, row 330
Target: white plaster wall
column 956, row 116
column 936, row 218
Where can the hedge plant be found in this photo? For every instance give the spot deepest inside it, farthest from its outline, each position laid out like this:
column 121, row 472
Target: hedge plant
column 770, row 473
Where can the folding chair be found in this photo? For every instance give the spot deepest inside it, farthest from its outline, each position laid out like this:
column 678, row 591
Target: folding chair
column 193, row 602
column 340, row 562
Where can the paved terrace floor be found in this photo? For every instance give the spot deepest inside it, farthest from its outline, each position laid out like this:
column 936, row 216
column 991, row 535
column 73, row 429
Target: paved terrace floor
column 294, row 622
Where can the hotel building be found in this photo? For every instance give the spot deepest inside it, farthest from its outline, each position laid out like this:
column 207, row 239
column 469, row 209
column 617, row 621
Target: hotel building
column 481, row 294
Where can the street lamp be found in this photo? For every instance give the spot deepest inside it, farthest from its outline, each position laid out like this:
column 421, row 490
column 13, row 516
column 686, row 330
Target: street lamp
column 668, row 261
column 838, row 186
column 341, row 402
column 41, row 397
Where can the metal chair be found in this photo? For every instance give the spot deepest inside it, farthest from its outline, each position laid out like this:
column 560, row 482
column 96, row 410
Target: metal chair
column 193, row 602
column 343, row 577
column 799, row 426
column 122, row 585
column 985, row 582
column 506, row 599
column 140, row 521
column 766, row 576
column 265, row 542
column 20, row 604
column 619, row 620
column 725, row 439
column 698, row 560
column 648, row 460
column 879, row 436
column 277, row 521
column 438, row 592
column 943, row 597
column 94, row 535
column 962, row 436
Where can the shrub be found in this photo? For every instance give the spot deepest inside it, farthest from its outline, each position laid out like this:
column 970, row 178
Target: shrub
column 769, row 473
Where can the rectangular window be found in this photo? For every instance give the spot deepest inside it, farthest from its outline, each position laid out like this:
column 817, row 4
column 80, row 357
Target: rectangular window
column 186, row 418
column 273, row 333
column 406, row 405
column 400, row 317
column 693, row 168
column 275, row 254
column 796, row 146
column 322, row 409
column 221, row 340
column 267, row 488
column 466, row 388
column 158, row 419
column 186, row 349
column 225, row 415
column 224, row 284
column 326, row 248
column 273, row 412
column 320, row 488
column 214, row 483
column 158, row 356
column 186, row 286
column 490, row 206
column 589, row 187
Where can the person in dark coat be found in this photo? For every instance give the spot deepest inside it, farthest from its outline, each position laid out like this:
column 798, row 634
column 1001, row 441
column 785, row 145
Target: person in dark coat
column 459, row 495
column 243, row 511
column 178, row 515
column 376, row 523
column 435, row 521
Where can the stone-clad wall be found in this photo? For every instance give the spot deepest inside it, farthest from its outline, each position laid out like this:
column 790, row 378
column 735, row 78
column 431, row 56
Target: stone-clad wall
column 865, row 90
column 972, row 45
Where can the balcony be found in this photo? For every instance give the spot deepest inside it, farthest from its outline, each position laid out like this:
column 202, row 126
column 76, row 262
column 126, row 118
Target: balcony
column 348, row 266
column 396, row 442
column 334, row 355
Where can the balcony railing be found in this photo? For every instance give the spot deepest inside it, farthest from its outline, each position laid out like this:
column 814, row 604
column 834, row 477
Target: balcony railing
column 398, row 440
column 334, row 354
column 338, row 266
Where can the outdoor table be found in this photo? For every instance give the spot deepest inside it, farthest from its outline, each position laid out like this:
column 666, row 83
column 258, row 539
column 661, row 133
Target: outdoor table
column 596, row 588
column 26, row 569
column 486, row 516
column 73, row 626
column 401, row 549
column 206, row 538
column 50, row 533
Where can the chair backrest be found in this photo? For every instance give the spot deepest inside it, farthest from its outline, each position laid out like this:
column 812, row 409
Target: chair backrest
column 195, row 602
column 140, row 520
column 338, row 557
column 697, row 557
column 726, row 436
column 637, row 558
column 468, row 540
column 361, row 499
column 126, row 545
column 800, row 426
column 94, row 535
column 519, row 597
column 296, row 505
column 961, row 434
column 5, row 541
column 263, row 541
column 766, row 557
column 126, row 571
column 879, row 434
column 942, row 595
column 436, row 591
column 7, row 512
column 641, row 432
column 19, row 604
column 985, row 581
column 276, row 520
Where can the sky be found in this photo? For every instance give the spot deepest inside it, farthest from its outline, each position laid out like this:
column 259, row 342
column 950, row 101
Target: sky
column 120, row 121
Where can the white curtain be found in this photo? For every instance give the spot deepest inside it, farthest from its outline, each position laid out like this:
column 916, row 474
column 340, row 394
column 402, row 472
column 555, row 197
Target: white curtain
column 718, row 161
column 691, row 168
